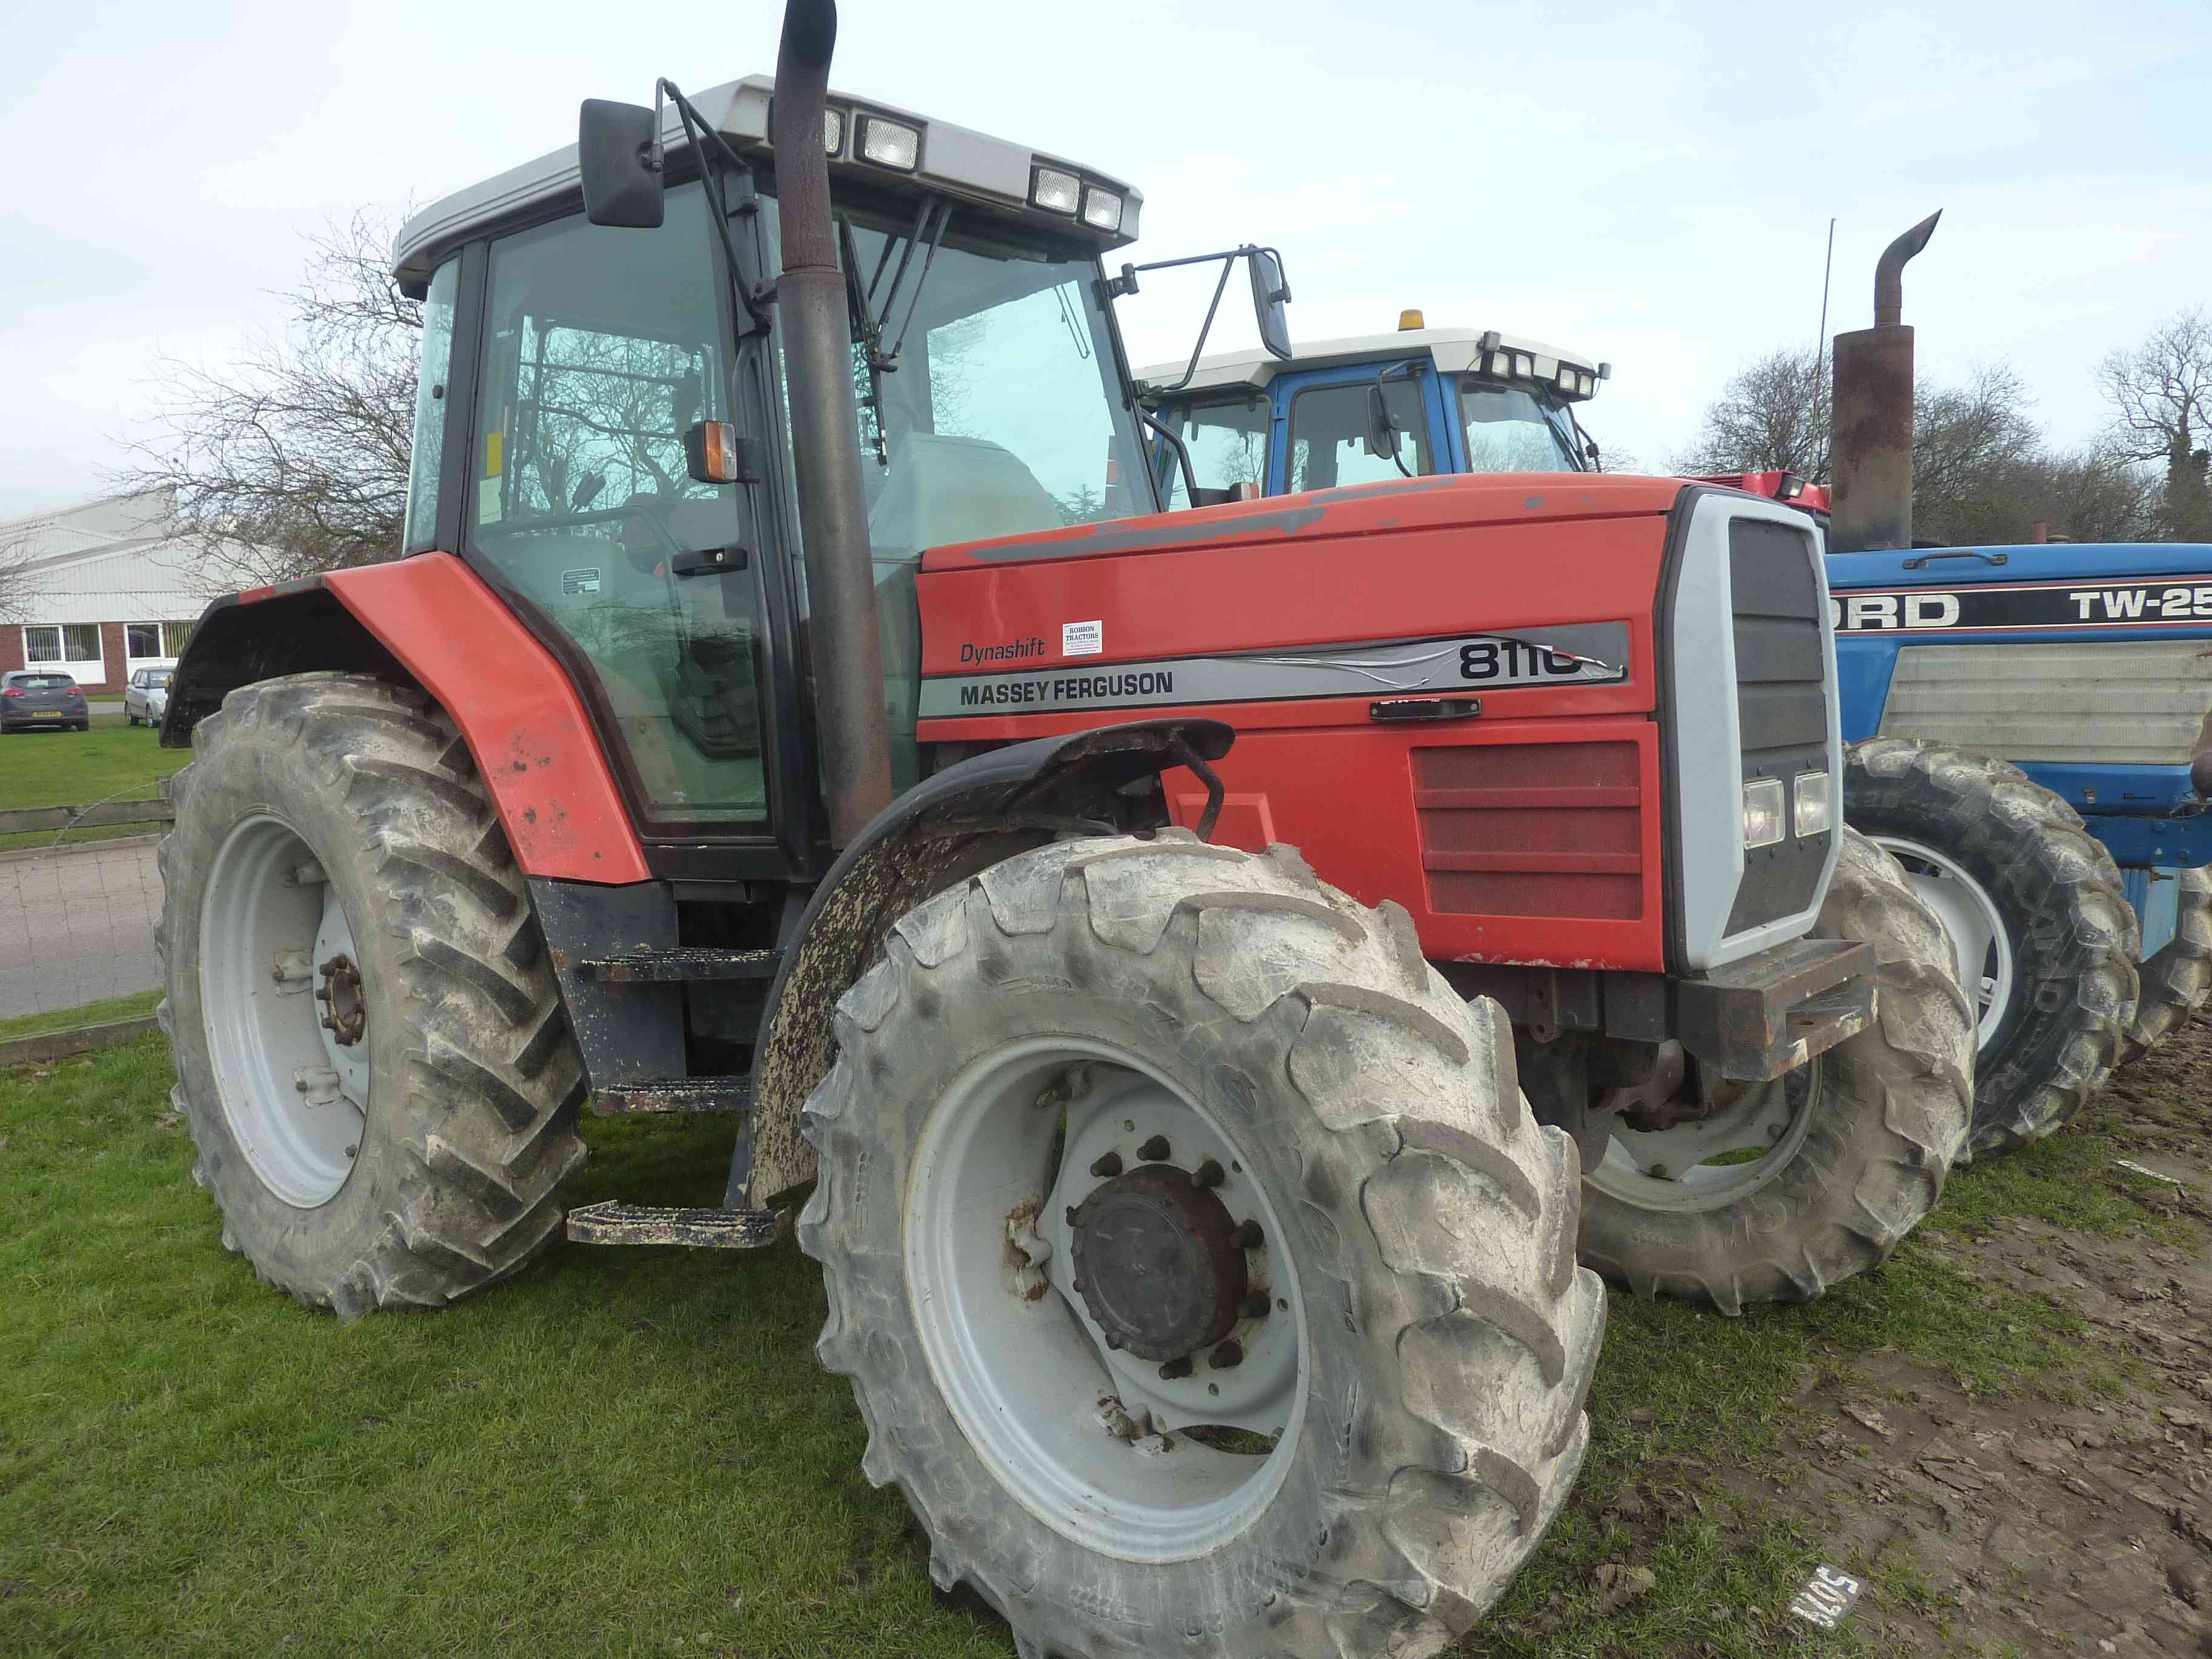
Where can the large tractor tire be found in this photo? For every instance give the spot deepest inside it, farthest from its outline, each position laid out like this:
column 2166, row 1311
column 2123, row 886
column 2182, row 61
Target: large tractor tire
column 1774, row 1192
column 2040, row 927
column 371, row 1051
column 2176, row 981
column 1205, row 1283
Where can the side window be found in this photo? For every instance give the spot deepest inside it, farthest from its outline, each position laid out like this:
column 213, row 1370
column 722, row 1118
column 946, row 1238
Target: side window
column 602, row 347
column 1336, row 440
column 430, row 387
column 1228, row 445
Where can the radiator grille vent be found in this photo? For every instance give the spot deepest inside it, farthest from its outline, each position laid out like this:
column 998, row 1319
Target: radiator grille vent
column 1531, row 830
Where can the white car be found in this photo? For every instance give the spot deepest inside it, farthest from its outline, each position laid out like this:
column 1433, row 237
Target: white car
column 146, row 699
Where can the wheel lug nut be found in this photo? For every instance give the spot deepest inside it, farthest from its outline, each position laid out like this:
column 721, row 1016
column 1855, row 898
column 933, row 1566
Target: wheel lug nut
column 1110, row 1165
column 1255, row 1306
column 1251, row 1236
column 1154, row 1151
column 1072, row 1212
column 1112, row 1341
column 1208, row 1173
column 1176, row 1369
column 1226, row 1357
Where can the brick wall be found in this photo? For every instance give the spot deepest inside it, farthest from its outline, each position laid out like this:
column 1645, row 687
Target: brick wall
column 11, row 647
column 118, row 672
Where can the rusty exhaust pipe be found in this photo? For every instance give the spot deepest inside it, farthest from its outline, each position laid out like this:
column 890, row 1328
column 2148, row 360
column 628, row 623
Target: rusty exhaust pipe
column 1870, row 414
column 846, row 650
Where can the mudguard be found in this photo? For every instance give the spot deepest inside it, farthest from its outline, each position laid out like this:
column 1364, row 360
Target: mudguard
column 432, row 620
column 948, row 827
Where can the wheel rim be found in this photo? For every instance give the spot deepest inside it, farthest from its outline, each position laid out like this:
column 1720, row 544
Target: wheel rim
column 1705, row 1162
column 276, row 949
column 1090, row 1438
column 1980, row 948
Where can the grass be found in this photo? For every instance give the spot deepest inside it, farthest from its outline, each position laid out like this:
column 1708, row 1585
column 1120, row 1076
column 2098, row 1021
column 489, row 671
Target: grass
column 634, row 1451
column 137, row 1006
column 74, row 769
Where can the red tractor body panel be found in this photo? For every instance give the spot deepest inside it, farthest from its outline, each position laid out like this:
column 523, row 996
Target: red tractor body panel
column 528, row 730
column 1530, row 833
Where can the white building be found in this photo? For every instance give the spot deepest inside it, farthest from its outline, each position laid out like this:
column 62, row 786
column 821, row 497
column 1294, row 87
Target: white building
column 100, row 589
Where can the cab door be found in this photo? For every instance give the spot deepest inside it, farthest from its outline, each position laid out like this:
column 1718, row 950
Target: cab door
column 1324, row 433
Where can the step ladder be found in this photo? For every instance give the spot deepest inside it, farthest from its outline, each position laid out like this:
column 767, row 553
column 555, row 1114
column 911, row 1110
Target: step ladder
column 731, row 1227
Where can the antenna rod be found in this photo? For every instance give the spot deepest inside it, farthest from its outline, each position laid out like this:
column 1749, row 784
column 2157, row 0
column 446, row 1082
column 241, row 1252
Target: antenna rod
column 1820, row 343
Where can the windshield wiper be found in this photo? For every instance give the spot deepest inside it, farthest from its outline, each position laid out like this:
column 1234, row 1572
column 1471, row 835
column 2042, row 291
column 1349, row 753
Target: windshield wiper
column 700, row 135
column 930, row 216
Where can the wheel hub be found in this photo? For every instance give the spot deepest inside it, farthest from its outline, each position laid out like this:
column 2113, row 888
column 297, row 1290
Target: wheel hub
column 1158, row 1263
column 345, row 1014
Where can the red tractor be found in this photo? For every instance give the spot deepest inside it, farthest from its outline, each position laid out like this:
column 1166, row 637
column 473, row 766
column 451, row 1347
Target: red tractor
column 766, row 719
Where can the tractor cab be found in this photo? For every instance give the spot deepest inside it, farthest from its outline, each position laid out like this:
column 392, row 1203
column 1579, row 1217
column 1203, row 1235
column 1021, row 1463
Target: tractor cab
column 602, row 431
column 1371, row 408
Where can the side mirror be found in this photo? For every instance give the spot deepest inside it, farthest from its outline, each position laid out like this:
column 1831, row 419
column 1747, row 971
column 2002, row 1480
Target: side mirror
column 1270, row 294
column 618, row 153
column 1382, row 430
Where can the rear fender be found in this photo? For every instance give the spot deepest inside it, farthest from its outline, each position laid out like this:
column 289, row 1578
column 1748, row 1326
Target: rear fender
column 430, row 620
column 947, row 828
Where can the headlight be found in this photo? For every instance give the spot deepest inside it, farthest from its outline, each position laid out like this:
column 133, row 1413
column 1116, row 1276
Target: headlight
column 889, row 143
column 833, row 132
column 1102, row 209
column 1813, row 798
column 1762, row 812
column 1056, row 191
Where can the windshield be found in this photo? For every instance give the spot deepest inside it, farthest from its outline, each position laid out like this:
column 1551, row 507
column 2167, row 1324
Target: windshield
column 992, row 406
column 157, row 677
column 1511, row 430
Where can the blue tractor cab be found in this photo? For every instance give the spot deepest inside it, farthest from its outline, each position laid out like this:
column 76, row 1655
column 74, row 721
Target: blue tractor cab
column 1361, row 411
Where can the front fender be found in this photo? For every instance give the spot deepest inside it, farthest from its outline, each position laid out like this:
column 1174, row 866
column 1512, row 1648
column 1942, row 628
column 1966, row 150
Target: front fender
column 947, row 828
column 430, row 620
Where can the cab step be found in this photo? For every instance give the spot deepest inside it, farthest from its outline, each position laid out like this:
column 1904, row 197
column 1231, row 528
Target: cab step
column 688, row 1094
column 679, row 965
column 611, row 1223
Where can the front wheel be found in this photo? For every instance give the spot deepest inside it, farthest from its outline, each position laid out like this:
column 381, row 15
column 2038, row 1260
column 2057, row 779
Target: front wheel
column 1732, row 1192
column 1205, row 1283
column 2178, row 979
column 2040, row 925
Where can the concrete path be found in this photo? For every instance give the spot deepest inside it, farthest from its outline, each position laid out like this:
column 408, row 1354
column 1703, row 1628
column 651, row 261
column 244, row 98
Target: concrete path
column 77, row 924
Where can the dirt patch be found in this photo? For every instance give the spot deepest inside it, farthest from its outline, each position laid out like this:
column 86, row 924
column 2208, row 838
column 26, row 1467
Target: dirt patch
column 2046, row 1525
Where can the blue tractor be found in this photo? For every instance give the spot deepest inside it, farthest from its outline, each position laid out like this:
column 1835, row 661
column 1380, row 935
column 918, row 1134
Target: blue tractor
column 2031, row 727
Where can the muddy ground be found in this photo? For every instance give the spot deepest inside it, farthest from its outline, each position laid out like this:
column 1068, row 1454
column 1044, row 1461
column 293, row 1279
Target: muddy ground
column 2070, row 1518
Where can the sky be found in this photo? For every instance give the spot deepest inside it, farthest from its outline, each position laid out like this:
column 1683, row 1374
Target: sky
column 1650, row 184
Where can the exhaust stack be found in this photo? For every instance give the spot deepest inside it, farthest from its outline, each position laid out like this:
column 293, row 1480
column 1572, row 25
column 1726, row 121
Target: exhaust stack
column 1870, row 426
column 846, row 650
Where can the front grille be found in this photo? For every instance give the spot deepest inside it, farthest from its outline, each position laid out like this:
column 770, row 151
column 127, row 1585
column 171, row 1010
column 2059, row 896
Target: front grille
column 1781, row 702
column 1531, row 830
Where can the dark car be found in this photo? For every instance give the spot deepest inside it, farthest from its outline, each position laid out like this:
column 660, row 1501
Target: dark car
column 41, row 696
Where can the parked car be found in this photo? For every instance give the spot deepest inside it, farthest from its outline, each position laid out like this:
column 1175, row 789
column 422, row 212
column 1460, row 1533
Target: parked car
column 41, row 696
column 146, row 699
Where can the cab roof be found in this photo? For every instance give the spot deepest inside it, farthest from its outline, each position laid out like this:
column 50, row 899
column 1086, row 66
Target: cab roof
column 962, row 163
column 1453, row 350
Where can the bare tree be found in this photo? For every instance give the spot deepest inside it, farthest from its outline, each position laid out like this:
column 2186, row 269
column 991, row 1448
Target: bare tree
column 15, row 581
column 2160, row 394
column 292, row 458
column 1972, row 444
column 1772, row 416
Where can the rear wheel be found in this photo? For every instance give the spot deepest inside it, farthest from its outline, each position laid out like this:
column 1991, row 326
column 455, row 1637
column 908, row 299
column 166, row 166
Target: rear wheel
column 1731, row 1193
column 1204, row 1281
column 371, row 1051
column 2042, row 937
column 2176, row 981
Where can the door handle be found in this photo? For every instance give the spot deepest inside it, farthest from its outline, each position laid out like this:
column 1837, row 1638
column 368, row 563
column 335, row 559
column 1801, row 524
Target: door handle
column 1424, row 708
